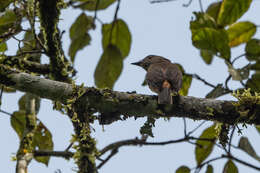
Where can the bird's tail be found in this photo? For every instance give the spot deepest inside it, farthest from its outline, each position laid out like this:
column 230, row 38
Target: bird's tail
column 164, row 97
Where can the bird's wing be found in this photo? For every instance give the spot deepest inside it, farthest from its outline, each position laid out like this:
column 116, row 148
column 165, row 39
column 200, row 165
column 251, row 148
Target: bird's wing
column 155, row 78
column 174, row 75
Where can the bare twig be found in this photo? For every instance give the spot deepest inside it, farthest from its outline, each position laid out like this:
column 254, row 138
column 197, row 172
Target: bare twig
column 4, row 112
column 192, row 131
column 70, row 145
column 230, row 140
column 201, row 6
column 160, row 1
column 241, row 161
column 188, row 4
column 238, row 57
column 114, row 20
column 95, row 15
column 202, row 80
column 136, row 141
column 1, row 94
column 113, row 152
column 185, row 126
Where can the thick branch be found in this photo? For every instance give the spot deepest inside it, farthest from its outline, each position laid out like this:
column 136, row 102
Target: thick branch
column 113, row 104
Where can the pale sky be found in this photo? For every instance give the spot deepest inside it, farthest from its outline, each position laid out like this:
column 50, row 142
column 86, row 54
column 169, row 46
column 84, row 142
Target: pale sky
column 161, row 29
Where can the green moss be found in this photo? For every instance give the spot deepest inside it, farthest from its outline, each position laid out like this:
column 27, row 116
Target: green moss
column 246, row 103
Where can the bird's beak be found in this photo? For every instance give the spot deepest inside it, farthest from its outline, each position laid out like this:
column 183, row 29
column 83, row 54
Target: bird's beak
column 137, row 63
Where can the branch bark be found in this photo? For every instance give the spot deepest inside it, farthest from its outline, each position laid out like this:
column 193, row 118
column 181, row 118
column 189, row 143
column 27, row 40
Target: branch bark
column 114, row 105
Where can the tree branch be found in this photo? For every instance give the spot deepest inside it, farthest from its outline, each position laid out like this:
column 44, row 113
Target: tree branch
column 64, row 154
column 113, row 105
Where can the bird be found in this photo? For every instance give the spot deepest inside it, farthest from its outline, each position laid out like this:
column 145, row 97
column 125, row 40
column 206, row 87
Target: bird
column 162, row 77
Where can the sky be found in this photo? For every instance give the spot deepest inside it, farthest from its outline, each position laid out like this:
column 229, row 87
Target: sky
column 160, row 29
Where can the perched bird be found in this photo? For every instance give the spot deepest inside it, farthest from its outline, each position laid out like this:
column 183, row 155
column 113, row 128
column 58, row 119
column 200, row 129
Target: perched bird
column 162, row 77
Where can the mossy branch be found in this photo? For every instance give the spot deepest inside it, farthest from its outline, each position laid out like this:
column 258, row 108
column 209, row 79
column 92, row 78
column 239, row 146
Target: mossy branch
column 113, row 105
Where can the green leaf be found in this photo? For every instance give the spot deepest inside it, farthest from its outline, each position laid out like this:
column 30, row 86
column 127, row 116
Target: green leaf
column 117, row 34
column 240, row 32
column 230, row 167
column 4, row 4
column 78, row 44
column 91, row 4
column 245, row 145
column 78, row 34
column 238, row 74
column 183, row 169
column 204, row 148
column 203, row 20
column 254, row 82
column 3, row 47
column 218, row 91
column 8, row 20
column 231, row 10
column 212, row 40
column 209, row 169
column 146, row 129
column 82, row 24
column 256, row 66
column 18, row 123
column 186, row 83
column 109, row 68
column 213, row 10
column 207, row 56
column 253, row 50
column 257, row 127
column 42, row 141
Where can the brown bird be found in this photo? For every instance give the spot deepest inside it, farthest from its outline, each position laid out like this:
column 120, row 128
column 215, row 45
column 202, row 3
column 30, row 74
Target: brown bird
column 162, row 77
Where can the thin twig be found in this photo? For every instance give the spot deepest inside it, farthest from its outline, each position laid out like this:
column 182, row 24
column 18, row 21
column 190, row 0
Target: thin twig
column 230, row 140
column 160, row 1
column 70, row 145
column 226, row 82
column 1, row 94
column 188, row 4
column 192, row 131
column 185, row 126
column 95, row 15
column 113, row 152
column 201, row 6
column 4, row 112
column 114, row 20
column 141, row 142
column 241, row 161
column 237, row 58
column 202, row 80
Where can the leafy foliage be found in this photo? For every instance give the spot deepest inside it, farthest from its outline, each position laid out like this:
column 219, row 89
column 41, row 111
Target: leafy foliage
column 117, row 34
column 92, row 4
column 245, row 145
column 231, row 10
column 78, row 34
column 8, row 20
column 240, row 32
column 183, row 169
column 230, row 167
column 109, row 67
column 209, row 169
column 204, row 147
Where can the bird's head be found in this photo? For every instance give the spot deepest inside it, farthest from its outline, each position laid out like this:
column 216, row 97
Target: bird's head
column 149, row 60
